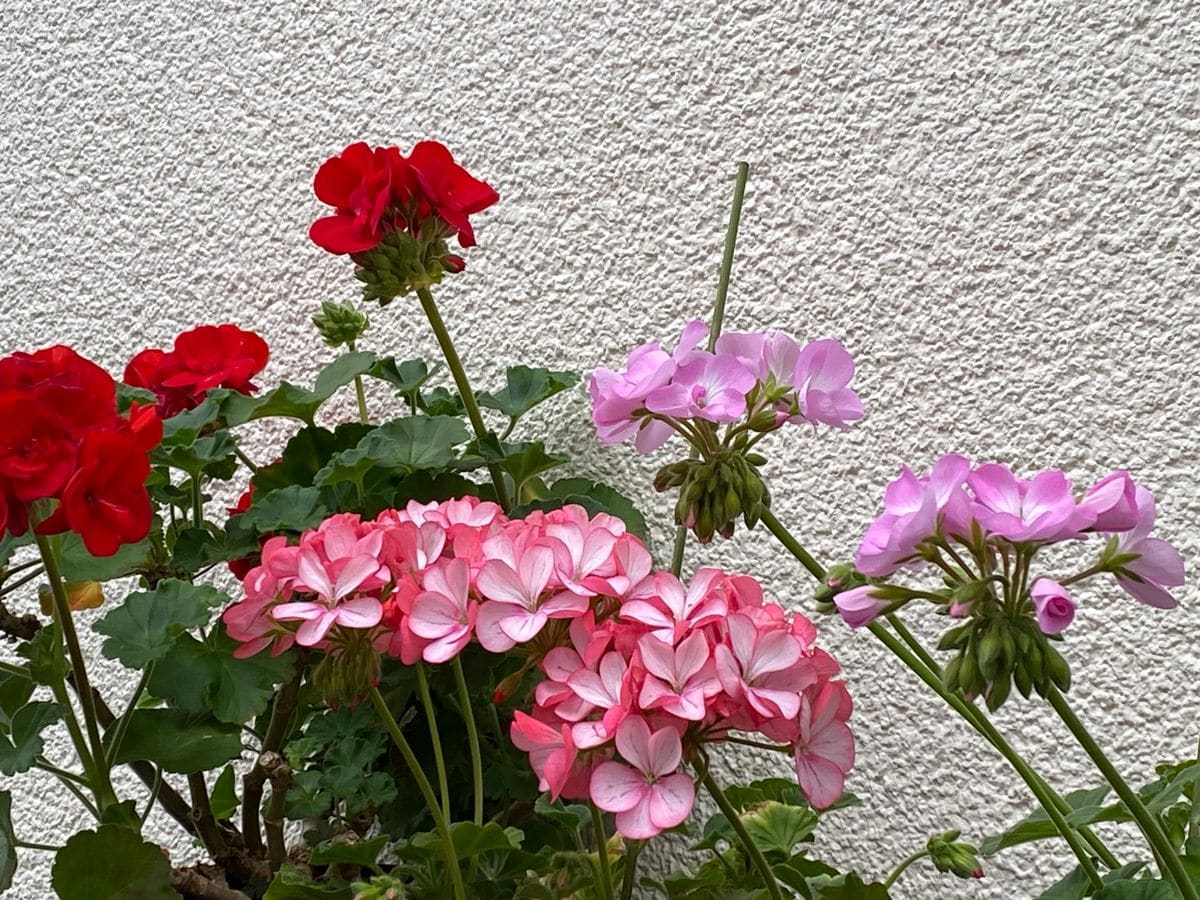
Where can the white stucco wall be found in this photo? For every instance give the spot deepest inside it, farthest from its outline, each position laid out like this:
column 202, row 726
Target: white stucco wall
column 994, row 208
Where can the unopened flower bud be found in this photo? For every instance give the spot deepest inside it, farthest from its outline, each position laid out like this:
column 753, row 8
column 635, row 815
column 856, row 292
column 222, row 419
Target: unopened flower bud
column 340, row 323
column 80, row 595
column 948, row 854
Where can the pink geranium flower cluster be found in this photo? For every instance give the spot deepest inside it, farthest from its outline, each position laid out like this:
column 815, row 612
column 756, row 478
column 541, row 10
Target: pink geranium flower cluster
column 765, row 378
column 989, row 515
column 676, row 667
column 640, row 670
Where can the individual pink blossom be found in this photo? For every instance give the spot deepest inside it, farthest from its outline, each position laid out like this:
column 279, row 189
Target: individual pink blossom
column 513, row 583
column 556, row 693
column 822, row 377
column 631, row 565
column 609, row 689
column 680, row 679
column 913, row 509
column 1110, row 504
column 770, row 356
column 824, row 746
column 552, row 753
column 616, row 396
column 857, row 607
column 444, row 612
column 713, row 388
column 671, row 610
column 1158, row 565
column 764, row 667
column 1053, row 605
column 1039, row 509
column 333, row 582
column 649, row 795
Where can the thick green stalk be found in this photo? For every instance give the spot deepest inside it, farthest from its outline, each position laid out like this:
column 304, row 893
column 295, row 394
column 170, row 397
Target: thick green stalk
column 633, row 849
column 464, row 387
column 606, row 882
column 1194, row 818
column 1146, row 820
column 978, row 720
column 792, row 545
column 431, row 801
column 98, row 774
column 359, row 393
column 468, row 714
column 718, row 319
column 985, row 727
column 431, row 721
column 735, row 821
column 122, row 725
column 904, row 864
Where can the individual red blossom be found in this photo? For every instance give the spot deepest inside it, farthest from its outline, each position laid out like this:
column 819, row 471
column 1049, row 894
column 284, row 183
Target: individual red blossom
column 37, row 449
column 203, row 358
column 361, row 184
column 451, row 192
column 78, row 390
column 105, row 501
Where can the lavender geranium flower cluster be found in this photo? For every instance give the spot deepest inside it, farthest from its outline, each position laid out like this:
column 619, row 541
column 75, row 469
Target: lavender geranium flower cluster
column 750, row 384
column 982, row 529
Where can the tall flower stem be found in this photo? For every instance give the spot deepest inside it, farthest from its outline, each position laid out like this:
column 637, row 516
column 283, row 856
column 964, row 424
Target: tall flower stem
column 431, row 801
column 973, row 716
column 464, row 387
column 606, row 882
column 92, row 758
column 718, row 319
column 439, row 760
column 904, row 864
column 468, row 714
column 633, row 849
column 735, row 822
column 359, row 393
column 978, row 720
column 1146, row 820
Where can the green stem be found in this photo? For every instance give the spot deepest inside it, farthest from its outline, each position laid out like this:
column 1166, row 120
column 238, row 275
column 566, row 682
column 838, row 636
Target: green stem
column 431, row 721
column 155, row 787
column 464, row 387
column 1146, row 821
column 468, row 714
column 19, row 583
column 32, row 845
column 985, row 727
column 735, row 821
column 98, row 774
column 606, row 882
column 197, row 502
column 431, row 801
column 118, row 730
column 746, row 742
column 360, row 393
column 1086, row 573
column 19, row 671
column 1194, row 817
column 792, row 545
column 718, row 319
column 246, row 461
column 904, row 864
column 71, row 782
column 633, row 849
column 978, row 720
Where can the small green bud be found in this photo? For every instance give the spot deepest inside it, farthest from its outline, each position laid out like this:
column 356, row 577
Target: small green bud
column 340, row 323
column 998, row 691
column 948, row 854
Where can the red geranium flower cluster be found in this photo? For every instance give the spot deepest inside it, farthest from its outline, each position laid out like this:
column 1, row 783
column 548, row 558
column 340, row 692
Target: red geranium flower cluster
column 204, row 358
column 378, row 191
column 61, row 438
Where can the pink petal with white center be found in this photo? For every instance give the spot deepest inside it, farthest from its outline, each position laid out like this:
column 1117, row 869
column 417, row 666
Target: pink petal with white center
column 523, row 625
column 497, row 581
column 997, row 488
column 487, row 626
column 365, row 612
column 291, row 612
column 633, row 743
column 313, row 631
column 616, row 788
column 433, row 615
column 821, row 780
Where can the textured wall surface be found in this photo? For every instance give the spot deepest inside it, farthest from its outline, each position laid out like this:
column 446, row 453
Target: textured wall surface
column 994, row 208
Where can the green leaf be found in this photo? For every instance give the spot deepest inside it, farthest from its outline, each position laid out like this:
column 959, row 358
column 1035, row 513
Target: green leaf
column 410, row 444
column 528, row 460
column 212, row 455
column 441, row 402
column 290, row 401
column 777, row 827
column 847, row 887
column 15, row 691
column 179, row 742
column 194, row 548
column 290, row 509
column 1084, row 807
column 9, row 543
column 20, row 747
column 525, row 389
column 111, row 863
column 224, row 798
column 183, row 429
column 290, row 883
column 200, row 676
column 47, row 662
column 1144, row 889
column 470, row 839
column 406, row 376
column 79, row 565
column 147, row 625
column 306, row 453
column 124, row 814
column 362, row 853
column 8, row 843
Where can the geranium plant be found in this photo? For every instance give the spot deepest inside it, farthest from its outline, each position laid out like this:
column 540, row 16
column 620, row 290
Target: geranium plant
column 413, row 662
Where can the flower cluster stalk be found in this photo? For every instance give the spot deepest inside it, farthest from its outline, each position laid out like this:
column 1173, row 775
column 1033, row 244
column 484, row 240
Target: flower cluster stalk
column 468, row 714
column 470, row 404
column 431, row 800
column 435, row 738
column 601, row 838
column 735, row 822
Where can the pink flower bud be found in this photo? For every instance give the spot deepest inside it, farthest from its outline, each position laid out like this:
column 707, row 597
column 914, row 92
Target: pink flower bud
column 1055, row 608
